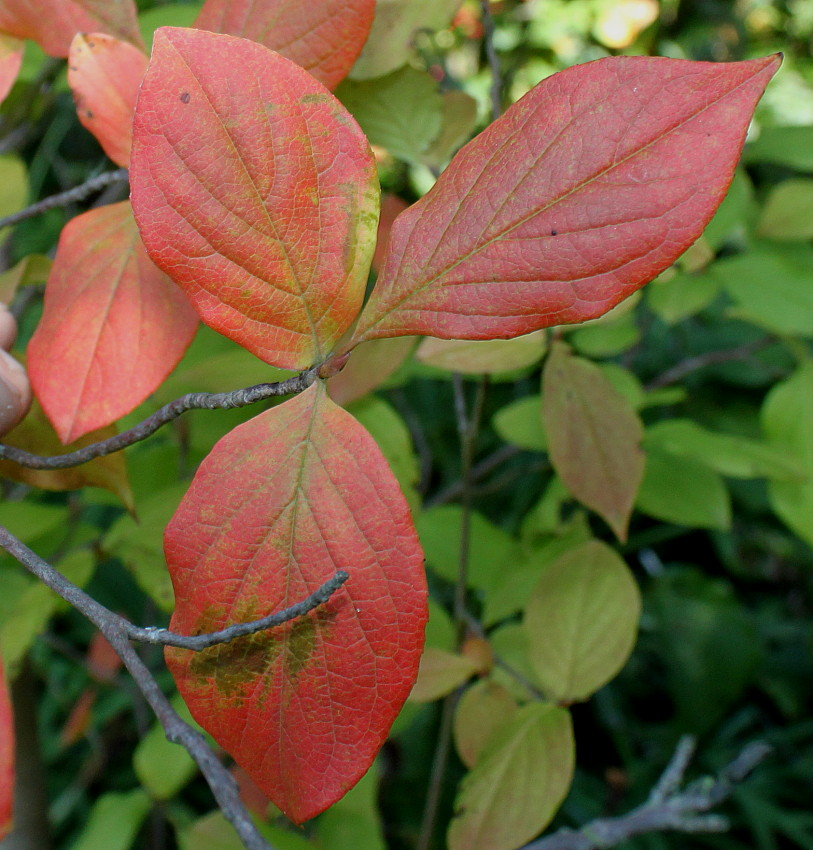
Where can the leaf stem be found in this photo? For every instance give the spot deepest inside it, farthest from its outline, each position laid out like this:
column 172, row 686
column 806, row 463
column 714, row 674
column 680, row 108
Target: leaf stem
column 63, row 199
column 119, row 632
column 668, row 807
column 493, row 60
column 165, row 414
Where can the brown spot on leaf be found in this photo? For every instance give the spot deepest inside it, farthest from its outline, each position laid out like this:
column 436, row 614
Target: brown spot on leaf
column 185, row 97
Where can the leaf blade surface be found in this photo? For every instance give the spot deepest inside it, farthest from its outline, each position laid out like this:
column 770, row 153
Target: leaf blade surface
column 255, row 191
column 113, row 327
column 304, row 708
column 583, row 191
column 323, row 36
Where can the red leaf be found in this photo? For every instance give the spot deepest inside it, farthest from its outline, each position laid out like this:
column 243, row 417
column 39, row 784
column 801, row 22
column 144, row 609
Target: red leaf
column 104, row 75
column 256, row 190
column 583, row 191
column 323, row 36
column 113, row 327
column 280, row 504
column 6, row 759
column 54, row 23
column 11, row 58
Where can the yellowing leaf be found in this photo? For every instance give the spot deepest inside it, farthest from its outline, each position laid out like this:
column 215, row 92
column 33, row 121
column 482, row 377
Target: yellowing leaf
column 518, row 783
column 35, row 434
column 440, row 672
column 582, row 619
column 481, row 711
column 483, row 357
column 593, row 435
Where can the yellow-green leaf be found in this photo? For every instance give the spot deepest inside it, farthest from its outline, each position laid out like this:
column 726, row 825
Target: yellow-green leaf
column 480, row 712
column 519, row 781
column 439, row 674
column 582, row 620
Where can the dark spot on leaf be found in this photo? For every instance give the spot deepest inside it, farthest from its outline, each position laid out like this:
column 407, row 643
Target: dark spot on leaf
column 88, row 113
column 185, row 97
column 554, row 232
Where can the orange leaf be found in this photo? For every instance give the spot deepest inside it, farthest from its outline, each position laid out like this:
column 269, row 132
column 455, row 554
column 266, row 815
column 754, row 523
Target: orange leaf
column 113, row 328
column 54, row 23
column 584, row 190
column 256, row 191
column 279, row 505
column 11, row 58
column 104, row 75
column 323, row 36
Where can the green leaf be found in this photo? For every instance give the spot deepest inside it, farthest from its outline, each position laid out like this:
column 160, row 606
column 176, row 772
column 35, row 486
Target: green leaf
column 483, row 356
column 31, row 269
column 728, row 454
column 510, row 644
column 518, row 783
column 354, row 821
column 459, row 118
column 392, row 435
column 605, row 339
column 395, row 24
column 582, row 620
column 35, row 607
column 683, row 491
column 163, row 768
column 593, row 437
column 480, row 712
column 790, row 146
column 440, row 631
column 13, row 184
column 214, row 832
column 512, row 589
column 137, row 543
column 673, row 299
column 734, row 216
column 114, row 821
column 491, row 550
column 520, row 423
column 787, row 418
column 708, row 642
column 401, row 112
column 439, row 674
column 30, row 521
column 786, row 305
column 788, row 211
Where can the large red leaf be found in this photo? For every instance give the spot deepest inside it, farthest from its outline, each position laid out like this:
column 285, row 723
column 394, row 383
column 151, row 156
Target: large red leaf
column 6, row 759
column 583, row 191
column 11, row 58
column 323, row 36
column 104, row 74
column 54, row 23
column 256, row 191
column 113, row 327
column 279, row 505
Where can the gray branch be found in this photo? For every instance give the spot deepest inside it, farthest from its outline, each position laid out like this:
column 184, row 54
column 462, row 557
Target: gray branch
column 63, row 199
column 119, row 632
column 668, row 807
column 190, row 401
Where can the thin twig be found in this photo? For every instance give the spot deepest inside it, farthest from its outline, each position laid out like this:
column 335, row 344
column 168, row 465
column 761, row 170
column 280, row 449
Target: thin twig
column 197, row 643
column 710, row 358
column 667, row 808
column 119, row 632
column 165, row 414
column 63, row 199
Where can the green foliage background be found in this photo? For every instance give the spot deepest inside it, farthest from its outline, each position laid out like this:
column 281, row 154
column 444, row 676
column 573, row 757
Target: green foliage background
column 720, row 543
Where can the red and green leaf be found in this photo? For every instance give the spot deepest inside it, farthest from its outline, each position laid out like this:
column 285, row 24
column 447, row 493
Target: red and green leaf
column 585, row 189
column 594, row 437
column 54, row 23
column 113, row 326
column 323, row 36
column 104, row 74
column 280, row 504
column 256, row 191
column 6, row 759
column 11, row 58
